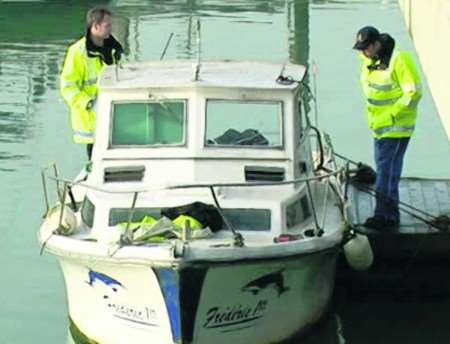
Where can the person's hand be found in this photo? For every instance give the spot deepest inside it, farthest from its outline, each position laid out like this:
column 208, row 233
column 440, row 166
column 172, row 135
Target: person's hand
column 91, row 104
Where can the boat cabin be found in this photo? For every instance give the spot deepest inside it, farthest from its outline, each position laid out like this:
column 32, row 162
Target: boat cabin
column 166, row 124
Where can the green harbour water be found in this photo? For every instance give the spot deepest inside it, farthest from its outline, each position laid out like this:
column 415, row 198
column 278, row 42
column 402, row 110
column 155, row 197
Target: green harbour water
column 34, row 131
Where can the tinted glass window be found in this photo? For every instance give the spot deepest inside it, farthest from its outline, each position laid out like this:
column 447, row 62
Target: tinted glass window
column 156, row 123
column 240, row 123
column 297, row 212
column 88, row 212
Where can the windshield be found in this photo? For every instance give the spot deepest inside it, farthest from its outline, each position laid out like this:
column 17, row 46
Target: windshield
column 241, row 218
column 88, row 212
column 148, row 123
column 243, row 123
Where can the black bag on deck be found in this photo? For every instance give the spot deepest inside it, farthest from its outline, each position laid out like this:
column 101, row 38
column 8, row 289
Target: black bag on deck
column 206, row 214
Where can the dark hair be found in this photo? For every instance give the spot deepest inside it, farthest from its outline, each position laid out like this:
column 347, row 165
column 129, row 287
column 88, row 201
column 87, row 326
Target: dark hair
column 96, row 15
column 386, row 49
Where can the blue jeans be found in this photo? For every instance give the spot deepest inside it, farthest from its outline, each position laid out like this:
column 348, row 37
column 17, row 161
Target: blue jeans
column 389, row 153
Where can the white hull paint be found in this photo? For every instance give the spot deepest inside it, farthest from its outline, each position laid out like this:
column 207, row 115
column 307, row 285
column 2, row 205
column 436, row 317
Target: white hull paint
column 254, row 301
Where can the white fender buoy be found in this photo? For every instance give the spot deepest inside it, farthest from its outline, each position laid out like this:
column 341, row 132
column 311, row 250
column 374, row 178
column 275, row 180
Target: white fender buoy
column 68, row 221
column 358, row 252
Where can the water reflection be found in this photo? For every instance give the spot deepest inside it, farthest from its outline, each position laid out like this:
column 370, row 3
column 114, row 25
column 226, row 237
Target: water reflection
column 34, row 127
column 351, row 5
column 226, row 26
column 30, row 58
column 29, row 63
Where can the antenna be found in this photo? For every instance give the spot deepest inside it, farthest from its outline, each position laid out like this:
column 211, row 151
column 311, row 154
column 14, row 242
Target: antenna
column 314, row 72
column 284, row 80
column 283, row 67
column 167, row 45
column 197, row 65
column 117, row 67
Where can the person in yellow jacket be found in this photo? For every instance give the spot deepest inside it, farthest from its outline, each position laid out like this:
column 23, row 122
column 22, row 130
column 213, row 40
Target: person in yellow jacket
column 391, row 84
column 83, row 64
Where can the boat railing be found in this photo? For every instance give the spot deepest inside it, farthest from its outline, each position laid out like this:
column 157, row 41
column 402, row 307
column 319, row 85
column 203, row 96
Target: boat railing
column 333, row 180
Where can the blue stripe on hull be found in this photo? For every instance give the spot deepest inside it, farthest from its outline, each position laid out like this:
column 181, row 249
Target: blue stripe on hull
column 168, row 282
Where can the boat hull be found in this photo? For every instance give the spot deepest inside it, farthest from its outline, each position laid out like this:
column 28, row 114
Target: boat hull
column 247, row 301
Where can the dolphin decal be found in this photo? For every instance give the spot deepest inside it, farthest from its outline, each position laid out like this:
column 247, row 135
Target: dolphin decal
column 274, row 279
column 95, row 276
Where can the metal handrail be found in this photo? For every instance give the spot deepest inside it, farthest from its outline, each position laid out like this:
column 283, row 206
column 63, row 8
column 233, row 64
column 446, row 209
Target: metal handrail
column 44, row 183
column 325, row 201
column 238, row 238
column 201, row 185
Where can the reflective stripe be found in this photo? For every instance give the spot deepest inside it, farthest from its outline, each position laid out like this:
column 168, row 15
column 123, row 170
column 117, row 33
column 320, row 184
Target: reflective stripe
column 379, row 87
column 68, row 83
column 406, row 128
column 83, row 133
column 411, row 87
column 71, row 83
column 90, row 82
column 69, row 94
column 379, row 102
column 408, row 102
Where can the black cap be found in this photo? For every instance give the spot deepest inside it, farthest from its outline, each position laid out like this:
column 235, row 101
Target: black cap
column 365, row 37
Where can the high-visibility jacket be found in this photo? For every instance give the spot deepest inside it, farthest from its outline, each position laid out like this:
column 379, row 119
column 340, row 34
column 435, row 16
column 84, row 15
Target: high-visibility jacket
column 392, row 96
column 78, row 85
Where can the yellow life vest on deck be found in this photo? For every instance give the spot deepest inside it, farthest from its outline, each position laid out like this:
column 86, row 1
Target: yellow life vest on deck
column 146, row 220
column 180, row 221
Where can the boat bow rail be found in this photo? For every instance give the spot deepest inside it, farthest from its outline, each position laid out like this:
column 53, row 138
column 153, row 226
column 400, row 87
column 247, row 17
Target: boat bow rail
column 65, row 194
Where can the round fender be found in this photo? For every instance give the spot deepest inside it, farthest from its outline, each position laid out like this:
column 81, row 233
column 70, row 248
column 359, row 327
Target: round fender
column 68, row 222
column 358, row 252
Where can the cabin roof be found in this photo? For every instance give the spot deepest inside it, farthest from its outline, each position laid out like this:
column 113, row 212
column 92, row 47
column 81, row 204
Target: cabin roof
column 180, row 74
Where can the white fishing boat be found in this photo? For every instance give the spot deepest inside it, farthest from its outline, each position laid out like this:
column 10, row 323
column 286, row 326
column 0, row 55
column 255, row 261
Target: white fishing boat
column 203, row 218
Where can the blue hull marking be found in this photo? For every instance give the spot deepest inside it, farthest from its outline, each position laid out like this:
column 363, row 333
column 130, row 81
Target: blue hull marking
column 168, row 282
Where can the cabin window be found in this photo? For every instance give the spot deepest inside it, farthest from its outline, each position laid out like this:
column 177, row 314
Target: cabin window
column 244, row 219
column 241, row 218
column 87, row 212
column 297, row 212
column 148, row 123
column 244, row 123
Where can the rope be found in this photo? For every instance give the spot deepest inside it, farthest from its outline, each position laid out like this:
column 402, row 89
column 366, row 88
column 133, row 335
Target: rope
column 441, row 222
column 404, row 208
